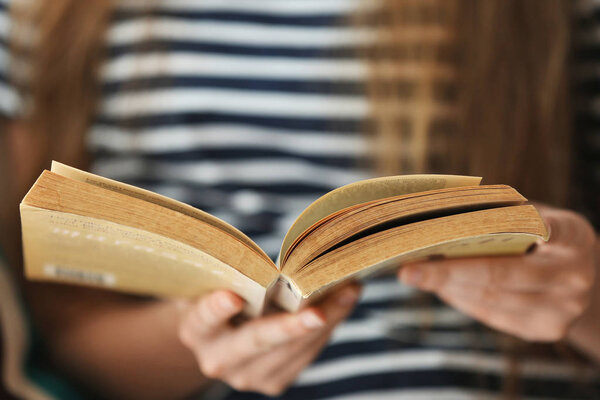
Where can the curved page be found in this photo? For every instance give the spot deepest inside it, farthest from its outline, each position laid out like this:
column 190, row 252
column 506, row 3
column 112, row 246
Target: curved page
column 358, row 256
column 155, row 198
column 397, row 211
column 55, row 192
column 369, row 190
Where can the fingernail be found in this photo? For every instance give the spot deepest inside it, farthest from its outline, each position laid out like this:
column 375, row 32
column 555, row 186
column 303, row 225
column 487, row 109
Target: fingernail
column 227, row 303
column 348, row 297
column 311, row 320
column 412, row 276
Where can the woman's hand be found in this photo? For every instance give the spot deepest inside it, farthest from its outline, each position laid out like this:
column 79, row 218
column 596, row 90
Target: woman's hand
column 536, row 296
column 264, row 354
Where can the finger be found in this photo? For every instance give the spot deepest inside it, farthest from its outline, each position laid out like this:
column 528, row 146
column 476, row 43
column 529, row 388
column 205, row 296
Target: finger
column 290, row 360
column 212, row 312
column 257, row 337
column 263, row 373
column 542, row 325
column 518, row 302
column 286, row 373
column 285, row 369
column 526, row 273
column 338, row 305
column 567, row 227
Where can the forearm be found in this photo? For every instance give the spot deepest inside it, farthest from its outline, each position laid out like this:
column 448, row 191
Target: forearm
column 119, row 347
column 585, row 333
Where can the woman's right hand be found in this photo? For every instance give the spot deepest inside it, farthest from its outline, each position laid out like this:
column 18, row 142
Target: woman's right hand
column 265, row 354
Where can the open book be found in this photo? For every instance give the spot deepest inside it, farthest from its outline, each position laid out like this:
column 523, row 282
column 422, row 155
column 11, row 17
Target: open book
column 85, row 229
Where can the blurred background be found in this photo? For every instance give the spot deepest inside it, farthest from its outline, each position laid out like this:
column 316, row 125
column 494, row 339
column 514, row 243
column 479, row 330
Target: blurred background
column 250, row 110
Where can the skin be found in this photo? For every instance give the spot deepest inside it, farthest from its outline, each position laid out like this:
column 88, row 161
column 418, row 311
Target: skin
column 97, row 337
column 265, row 354
column 169, row 349
column 546, row 295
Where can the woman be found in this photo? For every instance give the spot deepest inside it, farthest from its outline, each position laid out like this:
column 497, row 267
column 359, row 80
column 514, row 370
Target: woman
column 250, row 111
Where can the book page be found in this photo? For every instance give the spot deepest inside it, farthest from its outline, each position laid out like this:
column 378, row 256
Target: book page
column 151, row 197
column 368, row 190
column 56, row 192
column 70, row 248
column 517, row 222
column 493, row 244
column 384, row 214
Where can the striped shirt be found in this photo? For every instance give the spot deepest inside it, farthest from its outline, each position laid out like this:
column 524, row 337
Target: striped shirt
column 250, row 110
column 236, row 107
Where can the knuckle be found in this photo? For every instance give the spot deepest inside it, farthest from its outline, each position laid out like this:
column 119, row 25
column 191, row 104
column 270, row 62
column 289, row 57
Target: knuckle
column 291, row 326
column 211, row 307
column 208, row 309
column 555, row 333
column 548, row 334
column 575, row 307
column 577, row 281
column 241, row 383
column 549, row 327
column 274, row 389
column 212, row 368
column 257, row 342
column 529, row 335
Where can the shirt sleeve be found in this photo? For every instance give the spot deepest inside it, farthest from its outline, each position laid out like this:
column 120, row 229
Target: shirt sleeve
column 10, row 102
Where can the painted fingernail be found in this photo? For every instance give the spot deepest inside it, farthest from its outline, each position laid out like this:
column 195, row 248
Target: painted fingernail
column 348, row 297
column 311, row 320
column 412, row 276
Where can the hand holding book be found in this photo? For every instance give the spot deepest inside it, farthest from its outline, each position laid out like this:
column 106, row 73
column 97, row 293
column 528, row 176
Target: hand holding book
column 86, row 229
column 536, row 296
column 265, row 354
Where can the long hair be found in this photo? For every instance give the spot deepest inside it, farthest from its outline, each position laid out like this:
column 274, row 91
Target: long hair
column 462, row 86
column 488, row 91
column 57, row 75
column 62, row 84
column 481, row 88
column 467, row 86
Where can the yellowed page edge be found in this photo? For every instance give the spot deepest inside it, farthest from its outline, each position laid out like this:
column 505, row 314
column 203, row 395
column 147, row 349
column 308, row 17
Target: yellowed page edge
column 155, row 198
column 489, row 244
column 403, row 239
column 368, row 190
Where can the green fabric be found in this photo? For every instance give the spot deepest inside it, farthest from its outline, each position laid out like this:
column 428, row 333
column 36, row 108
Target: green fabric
column 50, row 382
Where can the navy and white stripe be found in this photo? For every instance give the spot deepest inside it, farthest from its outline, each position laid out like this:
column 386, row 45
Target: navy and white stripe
column 250, row 109
column 10, row 103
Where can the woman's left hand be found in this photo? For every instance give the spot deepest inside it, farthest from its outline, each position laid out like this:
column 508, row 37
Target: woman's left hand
column 536, row 296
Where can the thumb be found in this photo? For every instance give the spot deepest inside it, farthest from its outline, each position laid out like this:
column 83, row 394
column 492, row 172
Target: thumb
column 566, row 227
column 212, row 312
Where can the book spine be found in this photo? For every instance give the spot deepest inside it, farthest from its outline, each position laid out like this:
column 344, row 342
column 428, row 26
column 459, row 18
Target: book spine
column 285, row 294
